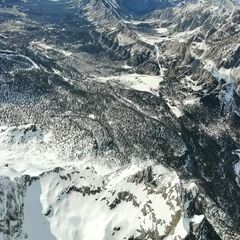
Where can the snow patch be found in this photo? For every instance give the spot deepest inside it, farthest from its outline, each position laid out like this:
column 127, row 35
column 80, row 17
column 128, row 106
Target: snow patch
column 237, row 168
column 46, row 47
column 20, row 135
column 144, row 83
column 192, row 101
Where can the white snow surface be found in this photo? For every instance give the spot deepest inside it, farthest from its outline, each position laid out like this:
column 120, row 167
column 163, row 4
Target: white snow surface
column 42, row 46
column 237, row 167
column 144, row 83
column 96, row 214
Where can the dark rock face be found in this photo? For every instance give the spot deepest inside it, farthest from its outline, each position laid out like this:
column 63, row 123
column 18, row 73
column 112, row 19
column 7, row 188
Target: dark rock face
column 143, row 7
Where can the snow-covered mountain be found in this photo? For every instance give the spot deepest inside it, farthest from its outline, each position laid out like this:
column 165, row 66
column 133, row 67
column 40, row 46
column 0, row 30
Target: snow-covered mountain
column 119, row 120
column 43, row 196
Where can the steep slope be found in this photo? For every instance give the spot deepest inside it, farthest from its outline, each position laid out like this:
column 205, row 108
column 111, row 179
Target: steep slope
column 132, row 120
column 46, row 205
column 130, row 8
